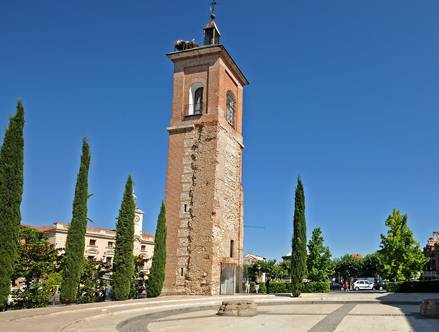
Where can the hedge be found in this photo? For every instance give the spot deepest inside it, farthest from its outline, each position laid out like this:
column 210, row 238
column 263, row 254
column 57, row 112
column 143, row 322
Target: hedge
column 285, row 287
column 423, row 286
column 316, row 287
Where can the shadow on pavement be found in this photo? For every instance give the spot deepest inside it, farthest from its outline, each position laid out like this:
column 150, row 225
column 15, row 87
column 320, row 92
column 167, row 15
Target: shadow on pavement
column 409, row 305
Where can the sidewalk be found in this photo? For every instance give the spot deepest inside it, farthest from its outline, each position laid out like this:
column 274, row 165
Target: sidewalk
column 106, row 316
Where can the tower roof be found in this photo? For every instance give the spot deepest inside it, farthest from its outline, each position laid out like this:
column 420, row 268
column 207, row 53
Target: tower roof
column 210, row 49
column 212, row 25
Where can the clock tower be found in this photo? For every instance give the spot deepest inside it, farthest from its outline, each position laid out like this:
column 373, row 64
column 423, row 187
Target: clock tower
column 204, row 197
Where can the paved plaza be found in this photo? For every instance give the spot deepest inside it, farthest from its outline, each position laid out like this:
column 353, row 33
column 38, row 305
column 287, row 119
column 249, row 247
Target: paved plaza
column 311, row 312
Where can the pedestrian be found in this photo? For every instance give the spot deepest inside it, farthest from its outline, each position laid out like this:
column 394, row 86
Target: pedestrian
column 346, row 285
column 257, row 285
column 247, row 286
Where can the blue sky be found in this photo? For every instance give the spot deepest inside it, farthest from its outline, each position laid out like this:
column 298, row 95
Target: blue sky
column 343, row 93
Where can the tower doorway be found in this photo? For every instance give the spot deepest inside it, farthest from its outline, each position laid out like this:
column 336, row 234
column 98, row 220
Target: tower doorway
column 228, row 277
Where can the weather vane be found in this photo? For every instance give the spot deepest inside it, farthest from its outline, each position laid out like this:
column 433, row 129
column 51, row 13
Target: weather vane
column 212, row 8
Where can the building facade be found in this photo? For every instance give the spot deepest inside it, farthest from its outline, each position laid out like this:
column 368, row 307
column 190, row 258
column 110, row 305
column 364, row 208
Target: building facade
column 204, row 197
column 253, row 258
column 431, row 251
column 100, row 242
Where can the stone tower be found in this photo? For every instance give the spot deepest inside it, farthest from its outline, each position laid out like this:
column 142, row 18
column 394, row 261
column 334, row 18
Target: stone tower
column 204, row 197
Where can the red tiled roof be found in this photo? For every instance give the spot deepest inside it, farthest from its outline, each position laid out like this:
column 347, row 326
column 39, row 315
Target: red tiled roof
column 39, row 228
column 147, row 235
column 356, row 255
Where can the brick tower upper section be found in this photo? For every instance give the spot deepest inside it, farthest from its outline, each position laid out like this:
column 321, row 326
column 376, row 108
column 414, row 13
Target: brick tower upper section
column 212, row 69
column 204, row 197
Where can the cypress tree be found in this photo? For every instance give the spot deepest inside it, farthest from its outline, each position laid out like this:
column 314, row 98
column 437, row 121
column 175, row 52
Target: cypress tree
column 298, row 257
column 74, row 256
column 11, row 192
column 123, row 265
column 157, row 273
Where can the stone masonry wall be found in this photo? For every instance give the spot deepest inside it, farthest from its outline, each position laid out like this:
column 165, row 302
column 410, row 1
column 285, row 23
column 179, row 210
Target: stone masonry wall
column 227, row 224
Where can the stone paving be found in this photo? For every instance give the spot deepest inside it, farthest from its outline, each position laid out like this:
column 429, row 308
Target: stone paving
column 311, row 312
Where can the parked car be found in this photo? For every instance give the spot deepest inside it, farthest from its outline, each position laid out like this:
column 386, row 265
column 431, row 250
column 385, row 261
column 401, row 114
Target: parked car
column 362, row 284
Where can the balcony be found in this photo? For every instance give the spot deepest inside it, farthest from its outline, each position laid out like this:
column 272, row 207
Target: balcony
column 92, row 250
column 194, row 109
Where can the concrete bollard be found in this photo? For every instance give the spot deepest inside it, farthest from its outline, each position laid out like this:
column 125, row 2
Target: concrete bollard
column 430, row 308
column 244, row 308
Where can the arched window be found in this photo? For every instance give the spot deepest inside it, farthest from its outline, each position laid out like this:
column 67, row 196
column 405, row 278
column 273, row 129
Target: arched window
column 230, row 108
column 195, row 99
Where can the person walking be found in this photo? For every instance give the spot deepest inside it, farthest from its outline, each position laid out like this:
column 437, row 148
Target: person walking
column 257, row 285
column 346, row 285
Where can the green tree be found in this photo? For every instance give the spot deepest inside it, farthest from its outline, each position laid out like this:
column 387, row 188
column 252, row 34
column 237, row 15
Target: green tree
column 371, row 265
column 11, row 192
column 138, row 286
column 92, row 285
column 348, row 266
column 298, row 256
column 37, row 264
column 320, row 265
column 74, row 255
column 123, row 265
column 401, row 256
column 157, row 273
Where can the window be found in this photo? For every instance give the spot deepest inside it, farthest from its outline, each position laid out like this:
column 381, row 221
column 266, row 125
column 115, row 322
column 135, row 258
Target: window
column 142, row 248
column 195, row 99
column 230, row 108
column 91, row 257
column 108, row 260
column 181, row 272
column 92, row 242
column 232, row 247
column 110, row 245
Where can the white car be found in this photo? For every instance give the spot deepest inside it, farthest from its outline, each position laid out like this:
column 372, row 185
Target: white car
column 362, row 284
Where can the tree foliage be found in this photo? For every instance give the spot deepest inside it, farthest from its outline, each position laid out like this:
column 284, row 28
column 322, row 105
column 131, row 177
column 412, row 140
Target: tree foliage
column 298, row 257
column 401, row 256
column 138, row 286
column 123, row 265
column 371, row 265
column 11, row 191
column 92, row 283
column 74, row 254
column 348, row 266
column 271, row 268
column 157, row 273
column 320, row 265
column 37, row 268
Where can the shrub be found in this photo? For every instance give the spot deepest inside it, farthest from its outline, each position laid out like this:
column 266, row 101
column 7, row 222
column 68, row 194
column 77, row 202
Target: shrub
column 279, row 287
column 252, row 287
column 262, row 288
column 316, row 287
column 423, row 286
column 309, row 287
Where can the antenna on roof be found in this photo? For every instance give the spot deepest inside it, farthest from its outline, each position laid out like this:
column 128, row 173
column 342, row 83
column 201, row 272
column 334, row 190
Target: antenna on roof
column 212, row 9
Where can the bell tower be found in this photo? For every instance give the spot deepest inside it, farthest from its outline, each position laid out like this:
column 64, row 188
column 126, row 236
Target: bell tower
column 204, row 197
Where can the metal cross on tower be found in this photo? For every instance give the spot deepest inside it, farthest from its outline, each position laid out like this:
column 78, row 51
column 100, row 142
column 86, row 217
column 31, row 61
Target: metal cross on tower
column 212, row 8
